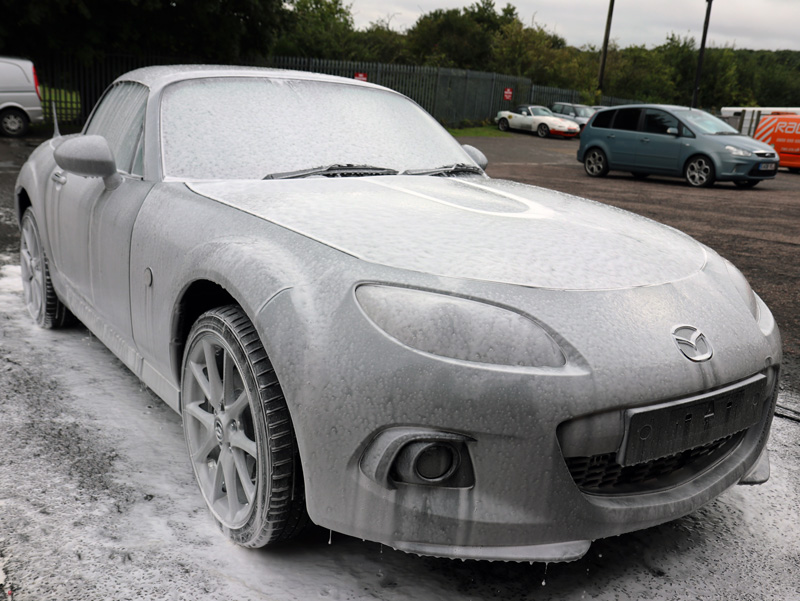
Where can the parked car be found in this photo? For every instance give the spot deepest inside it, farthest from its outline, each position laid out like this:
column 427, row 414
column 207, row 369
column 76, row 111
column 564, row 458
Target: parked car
column 20, row 99
column 673, row 140
column 538, row 119
column 358, row 326
column 579, row 113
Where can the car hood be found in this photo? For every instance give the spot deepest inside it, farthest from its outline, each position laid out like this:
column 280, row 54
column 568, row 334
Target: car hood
column 472, row 227
column 740, row 141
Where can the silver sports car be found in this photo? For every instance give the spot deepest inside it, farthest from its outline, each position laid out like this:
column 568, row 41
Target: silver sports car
column 361, row 329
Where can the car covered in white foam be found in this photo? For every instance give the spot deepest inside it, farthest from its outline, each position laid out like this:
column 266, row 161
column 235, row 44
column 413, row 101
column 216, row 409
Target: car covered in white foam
column 360, row 328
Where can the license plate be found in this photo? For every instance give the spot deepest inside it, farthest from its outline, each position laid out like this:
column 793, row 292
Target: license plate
column 767, row 167
column 670, row 428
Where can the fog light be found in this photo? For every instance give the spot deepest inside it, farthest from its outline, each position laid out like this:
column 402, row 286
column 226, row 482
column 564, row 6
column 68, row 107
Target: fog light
column 436, row 462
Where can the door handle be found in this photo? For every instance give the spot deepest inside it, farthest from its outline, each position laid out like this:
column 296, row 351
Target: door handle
column 59, row 178
column 645, row 140
column 611, row 136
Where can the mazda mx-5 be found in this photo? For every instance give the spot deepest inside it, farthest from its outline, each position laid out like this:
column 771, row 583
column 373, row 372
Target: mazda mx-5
column 363, row 330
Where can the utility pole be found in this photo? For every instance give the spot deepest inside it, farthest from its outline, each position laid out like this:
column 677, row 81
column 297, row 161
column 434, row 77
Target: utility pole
column 700, row 58
column 604, row 53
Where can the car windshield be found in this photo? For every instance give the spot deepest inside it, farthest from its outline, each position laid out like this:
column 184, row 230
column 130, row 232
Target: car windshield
column 540, row 111
column 703, row 123
column 249, row 128
column 584, row 111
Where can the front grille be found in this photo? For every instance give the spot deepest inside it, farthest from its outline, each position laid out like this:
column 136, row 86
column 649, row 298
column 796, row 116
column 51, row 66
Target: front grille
column 765, row 154
column 601, row 474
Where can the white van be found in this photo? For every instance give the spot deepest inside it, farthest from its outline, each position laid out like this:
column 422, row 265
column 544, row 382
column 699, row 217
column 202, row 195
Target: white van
column 20, row 99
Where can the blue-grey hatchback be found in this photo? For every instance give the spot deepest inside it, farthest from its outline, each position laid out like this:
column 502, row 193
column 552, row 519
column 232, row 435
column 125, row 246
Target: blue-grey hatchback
column 673, row 140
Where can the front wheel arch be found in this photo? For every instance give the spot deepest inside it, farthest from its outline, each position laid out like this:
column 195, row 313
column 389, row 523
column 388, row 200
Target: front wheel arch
column 197, row 298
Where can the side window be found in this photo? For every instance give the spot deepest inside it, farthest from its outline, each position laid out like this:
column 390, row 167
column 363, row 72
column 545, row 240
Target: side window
column 658, row 122
column 627, row 119
column 119, row 118
column 557, row 108
column 603, row 119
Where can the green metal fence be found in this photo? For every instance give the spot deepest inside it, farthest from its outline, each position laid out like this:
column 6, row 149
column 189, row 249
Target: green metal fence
column 452, row 96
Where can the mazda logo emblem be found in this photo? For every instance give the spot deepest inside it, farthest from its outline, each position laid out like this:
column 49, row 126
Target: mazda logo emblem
column 692, row 343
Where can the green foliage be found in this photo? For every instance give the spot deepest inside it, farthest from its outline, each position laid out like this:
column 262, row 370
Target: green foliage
column 478, row 37
column 210, row 30
column 318, row 29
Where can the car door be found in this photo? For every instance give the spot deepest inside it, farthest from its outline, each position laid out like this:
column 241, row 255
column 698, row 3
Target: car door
column 90, row 226
column 659, row 144
column 525, row 117
column 623, row 139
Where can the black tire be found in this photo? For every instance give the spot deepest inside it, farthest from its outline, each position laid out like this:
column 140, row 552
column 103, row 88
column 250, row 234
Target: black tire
column 595, row 163
column 543, row 131
column 699, row 172
column 236, row 422
column 503, row 124
column 41, row 299
column 13, row 122
column 746, row 183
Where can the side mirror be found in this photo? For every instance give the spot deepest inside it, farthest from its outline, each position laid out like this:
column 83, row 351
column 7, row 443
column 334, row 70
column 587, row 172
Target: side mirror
column 672, row 131
column 476, row 155
column 89, row 156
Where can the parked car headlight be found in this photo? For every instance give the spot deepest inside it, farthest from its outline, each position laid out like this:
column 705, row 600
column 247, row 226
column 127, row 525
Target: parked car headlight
column 458, row 328
column 738, row 152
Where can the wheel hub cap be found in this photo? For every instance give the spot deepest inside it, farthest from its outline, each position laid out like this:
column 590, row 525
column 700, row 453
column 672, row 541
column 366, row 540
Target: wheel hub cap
column 219, row 431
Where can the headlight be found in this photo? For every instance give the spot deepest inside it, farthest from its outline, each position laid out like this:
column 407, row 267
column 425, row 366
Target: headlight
column 738, row 152
column 744, row 289
column 467, row 330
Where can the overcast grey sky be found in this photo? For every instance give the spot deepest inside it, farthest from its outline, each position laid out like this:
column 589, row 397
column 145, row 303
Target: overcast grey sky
column 755, row 24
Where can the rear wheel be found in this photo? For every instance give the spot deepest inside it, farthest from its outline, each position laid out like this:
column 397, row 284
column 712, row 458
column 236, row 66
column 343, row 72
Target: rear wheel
column 746, row 183
column 13, row 122
column 239, row 432
column 595, row 162
column 543, row 131
column 41, row 300
column 503, row 124
column 699, row 172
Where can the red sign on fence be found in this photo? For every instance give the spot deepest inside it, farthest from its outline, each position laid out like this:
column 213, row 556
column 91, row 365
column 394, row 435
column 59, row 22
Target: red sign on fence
column 361, row 76
column 508, row 94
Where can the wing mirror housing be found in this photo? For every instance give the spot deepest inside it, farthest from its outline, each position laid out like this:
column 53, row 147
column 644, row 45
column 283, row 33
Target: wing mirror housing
column 89, row 156
column 476, row 155
column 672, row 131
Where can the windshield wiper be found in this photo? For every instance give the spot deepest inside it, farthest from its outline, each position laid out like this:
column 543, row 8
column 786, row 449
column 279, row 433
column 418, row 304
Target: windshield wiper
column 446, row 170
column 333, row 171
column 727, row 133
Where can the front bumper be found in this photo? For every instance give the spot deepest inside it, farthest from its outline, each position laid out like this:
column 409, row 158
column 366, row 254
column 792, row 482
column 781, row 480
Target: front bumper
column 351, row 388
column 747, row 168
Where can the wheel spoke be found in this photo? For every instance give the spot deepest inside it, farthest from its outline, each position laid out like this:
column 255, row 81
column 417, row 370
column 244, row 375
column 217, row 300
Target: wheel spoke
column 231, row 488
column 241, row 442
column 214, row 378
column 248, row 486
column 237, row 407
column 228, row 380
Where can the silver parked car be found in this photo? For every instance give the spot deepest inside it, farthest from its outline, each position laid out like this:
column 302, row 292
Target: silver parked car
column 673, row 140
column 20, row 99
column 360, row 327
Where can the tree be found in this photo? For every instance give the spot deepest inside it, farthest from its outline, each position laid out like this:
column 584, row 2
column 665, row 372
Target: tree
column 209, row 30
column 318, row 29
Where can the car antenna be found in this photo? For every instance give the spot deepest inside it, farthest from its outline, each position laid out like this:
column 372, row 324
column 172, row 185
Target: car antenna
column 56, row 133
